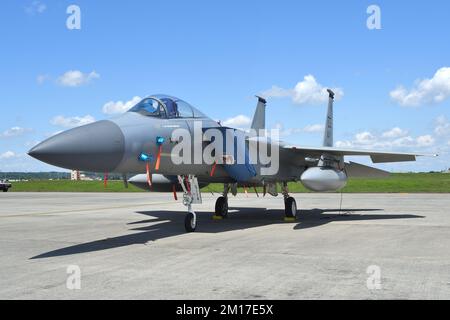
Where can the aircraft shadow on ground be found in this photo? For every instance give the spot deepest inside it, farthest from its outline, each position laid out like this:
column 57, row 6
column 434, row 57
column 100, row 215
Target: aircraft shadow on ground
column 165, row 224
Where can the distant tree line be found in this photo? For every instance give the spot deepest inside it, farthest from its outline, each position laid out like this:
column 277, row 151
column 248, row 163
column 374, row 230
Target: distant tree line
column 52, row 175
column 34, row 175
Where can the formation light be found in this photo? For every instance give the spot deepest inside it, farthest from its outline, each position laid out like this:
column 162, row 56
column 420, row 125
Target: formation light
column 145, row 157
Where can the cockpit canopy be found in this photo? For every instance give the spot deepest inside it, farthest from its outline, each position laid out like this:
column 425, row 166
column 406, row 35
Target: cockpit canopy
column 167, row 107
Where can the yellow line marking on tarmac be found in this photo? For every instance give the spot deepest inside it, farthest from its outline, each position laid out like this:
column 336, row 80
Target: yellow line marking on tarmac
column 82, row 210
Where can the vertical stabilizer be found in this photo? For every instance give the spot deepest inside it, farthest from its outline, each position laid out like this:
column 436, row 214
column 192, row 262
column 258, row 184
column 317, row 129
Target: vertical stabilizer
column 328, row 136
column 259, row 120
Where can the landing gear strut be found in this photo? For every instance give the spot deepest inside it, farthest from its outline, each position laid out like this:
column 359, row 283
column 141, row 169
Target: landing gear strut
column 222, row 203
column 290, row 206
column 191, row 195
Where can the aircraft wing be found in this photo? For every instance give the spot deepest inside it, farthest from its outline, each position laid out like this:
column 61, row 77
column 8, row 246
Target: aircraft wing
column 376, row 156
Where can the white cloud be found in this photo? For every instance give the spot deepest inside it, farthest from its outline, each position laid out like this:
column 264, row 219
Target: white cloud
column 14, row 132
column 35, row 7
column 344, row 144
column 7, row 155
column 120, row 106
column 308, row 91
column 71, row 122
column 407, row 141
column 387, row 140
column 22, row 162
column 48, row 135
column 442, row 126
column 364, row 138
column 395, row 133
column 277, row 92
column 425, row 91
column 315, row 128
column 238, row 121
column 40, row 79
column 425, row 141
column 310, row 129
column 282, row 132
column 76, row 78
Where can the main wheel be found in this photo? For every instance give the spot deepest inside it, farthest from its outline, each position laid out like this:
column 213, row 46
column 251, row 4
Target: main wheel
column 5, row 190
column 290, row 207
column 222, row 207
column 190, row 223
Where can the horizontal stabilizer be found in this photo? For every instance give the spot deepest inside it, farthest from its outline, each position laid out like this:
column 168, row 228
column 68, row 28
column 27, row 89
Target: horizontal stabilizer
column 385, row 158
column 356, row 170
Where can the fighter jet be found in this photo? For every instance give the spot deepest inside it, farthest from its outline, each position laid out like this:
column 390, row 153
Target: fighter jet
column 147, row 141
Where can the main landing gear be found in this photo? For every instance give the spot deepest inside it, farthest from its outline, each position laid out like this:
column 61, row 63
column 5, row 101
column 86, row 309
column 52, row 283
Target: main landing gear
column 290, row 206
column 191, row 195
column 222, row 203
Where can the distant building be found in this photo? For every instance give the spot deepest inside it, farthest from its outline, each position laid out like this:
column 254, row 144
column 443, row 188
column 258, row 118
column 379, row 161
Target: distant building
column 84, row 177
column 75, row 175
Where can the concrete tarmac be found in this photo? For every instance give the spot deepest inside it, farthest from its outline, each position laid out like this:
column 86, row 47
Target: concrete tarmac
column 133, row 246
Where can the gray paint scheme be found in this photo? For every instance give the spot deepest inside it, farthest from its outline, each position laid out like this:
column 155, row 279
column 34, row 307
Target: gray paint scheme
column 114, row 146
column 140, row 135
column 97, row 147
column 328, row 140
column 356, row 170
column 160, row 183
column 376, row 156
column 322, row 179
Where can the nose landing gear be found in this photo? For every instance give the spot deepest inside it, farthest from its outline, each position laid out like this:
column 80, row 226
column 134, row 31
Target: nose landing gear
column 191, row 195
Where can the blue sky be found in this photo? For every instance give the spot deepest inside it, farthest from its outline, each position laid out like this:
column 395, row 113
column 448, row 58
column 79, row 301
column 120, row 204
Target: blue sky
column 394, row 83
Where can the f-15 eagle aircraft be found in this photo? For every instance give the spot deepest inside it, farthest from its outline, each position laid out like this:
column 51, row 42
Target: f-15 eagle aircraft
column 157, row 138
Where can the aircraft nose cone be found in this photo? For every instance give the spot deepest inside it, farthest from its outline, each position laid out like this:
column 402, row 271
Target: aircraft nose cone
column 96, row 147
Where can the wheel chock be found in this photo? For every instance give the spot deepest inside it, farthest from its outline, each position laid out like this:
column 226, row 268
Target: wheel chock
column 286, row 219
column 217, row 217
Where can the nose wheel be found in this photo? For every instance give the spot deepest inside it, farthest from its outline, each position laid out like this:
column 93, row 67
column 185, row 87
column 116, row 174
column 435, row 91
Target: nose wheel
column 190, row 222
